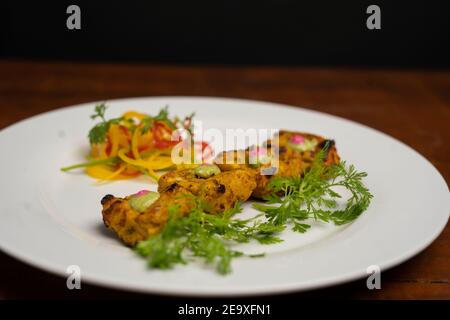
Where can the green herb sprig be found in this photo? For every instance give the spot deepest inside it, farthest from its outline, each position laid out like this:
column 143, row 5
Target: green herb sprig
column 206, row 236
column 162, row 116
column 292, row 201
column 99, row 132
column 296, row 199
column 91, row 163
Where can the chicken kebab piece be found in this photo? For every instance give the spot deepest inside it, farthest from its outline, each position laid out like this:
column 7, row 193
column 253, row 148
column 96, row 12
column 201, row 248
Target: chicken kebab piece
column 289, row 154
column 136, row 217
column 291, row 144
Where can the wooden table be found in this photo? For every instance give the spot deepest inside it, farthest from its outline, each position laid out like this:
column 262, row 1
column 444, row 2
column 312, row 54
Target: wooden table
column 411, row 105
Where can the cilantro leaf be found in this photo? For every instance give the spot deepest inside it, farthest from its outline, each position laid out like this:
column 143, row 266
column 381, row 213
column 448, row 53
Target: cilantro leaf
column 99, row 132
column 313, row 196
column 203, row 235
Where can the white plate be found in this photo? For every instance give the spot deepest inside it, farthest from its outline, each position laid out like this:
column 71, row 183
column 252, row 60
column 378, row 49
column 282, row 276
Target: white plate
column 52, row 219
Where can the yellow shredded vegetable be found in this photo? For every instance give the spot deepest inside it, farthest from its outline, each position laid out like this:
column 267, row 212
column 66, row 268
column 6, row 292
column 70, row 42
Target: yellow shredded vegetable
column 104, row 173
column 112, row 176
column 133, row 144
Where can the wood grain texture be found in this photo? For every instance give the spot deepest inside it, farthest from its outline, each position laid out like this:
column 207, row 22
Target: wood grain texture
column 411, row 105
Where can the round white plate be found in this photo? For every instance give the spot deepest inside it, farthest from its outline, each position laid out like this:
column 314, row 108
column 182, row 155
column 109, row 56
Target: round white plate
column 52, row 219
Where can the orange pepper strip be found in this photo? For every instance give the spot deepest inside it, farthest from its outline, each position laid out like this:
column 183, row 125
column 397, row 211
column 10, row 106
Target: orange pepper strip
column 137, row 163
column 114, row 136
column 134, row 144
column 98, row 151
column 144, row 164
column 133, row 114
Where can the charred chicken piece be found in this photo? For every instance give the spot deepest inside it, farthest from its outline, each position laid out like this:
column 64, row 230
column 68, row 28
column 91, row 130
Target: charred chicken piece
column 263, row 171
column 291, row 144
column 296, row 152
column 178, row 189
column 132, row 226
column 220, row 191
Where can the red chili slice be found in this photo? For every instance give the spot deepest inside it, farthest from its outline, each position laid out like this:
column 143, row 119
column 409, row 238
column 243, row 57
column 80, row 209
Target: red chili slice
column 162, row 136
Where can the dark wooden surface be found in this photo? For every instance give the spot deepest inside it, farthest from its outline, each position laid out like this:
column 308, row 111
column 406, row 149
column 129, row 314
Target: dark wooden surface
column 411, row 105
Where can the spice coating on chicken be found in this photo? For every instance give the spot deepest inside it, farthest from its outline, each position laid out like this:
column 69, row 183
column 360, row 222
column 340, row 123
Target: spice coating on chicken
column 291, row 161
column 177, row 189
column 263, row 173
column 220, row 192
column 132, row 226
column 286, row 150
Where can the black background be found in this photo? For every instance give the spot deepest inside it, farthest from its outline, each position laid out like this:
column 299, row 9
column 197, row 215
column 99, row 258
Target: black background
column 298, row 32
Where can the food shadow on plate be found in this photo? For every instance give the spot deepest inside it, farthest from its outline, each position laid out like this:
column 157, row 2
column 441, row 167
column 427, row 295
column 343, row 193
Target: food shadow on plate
column 105, row 233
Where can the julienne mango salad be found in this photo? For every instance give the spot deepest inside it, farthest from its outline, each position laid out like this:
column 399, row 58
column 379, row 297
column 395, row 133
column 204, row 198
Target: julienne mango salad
column 133, row 144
